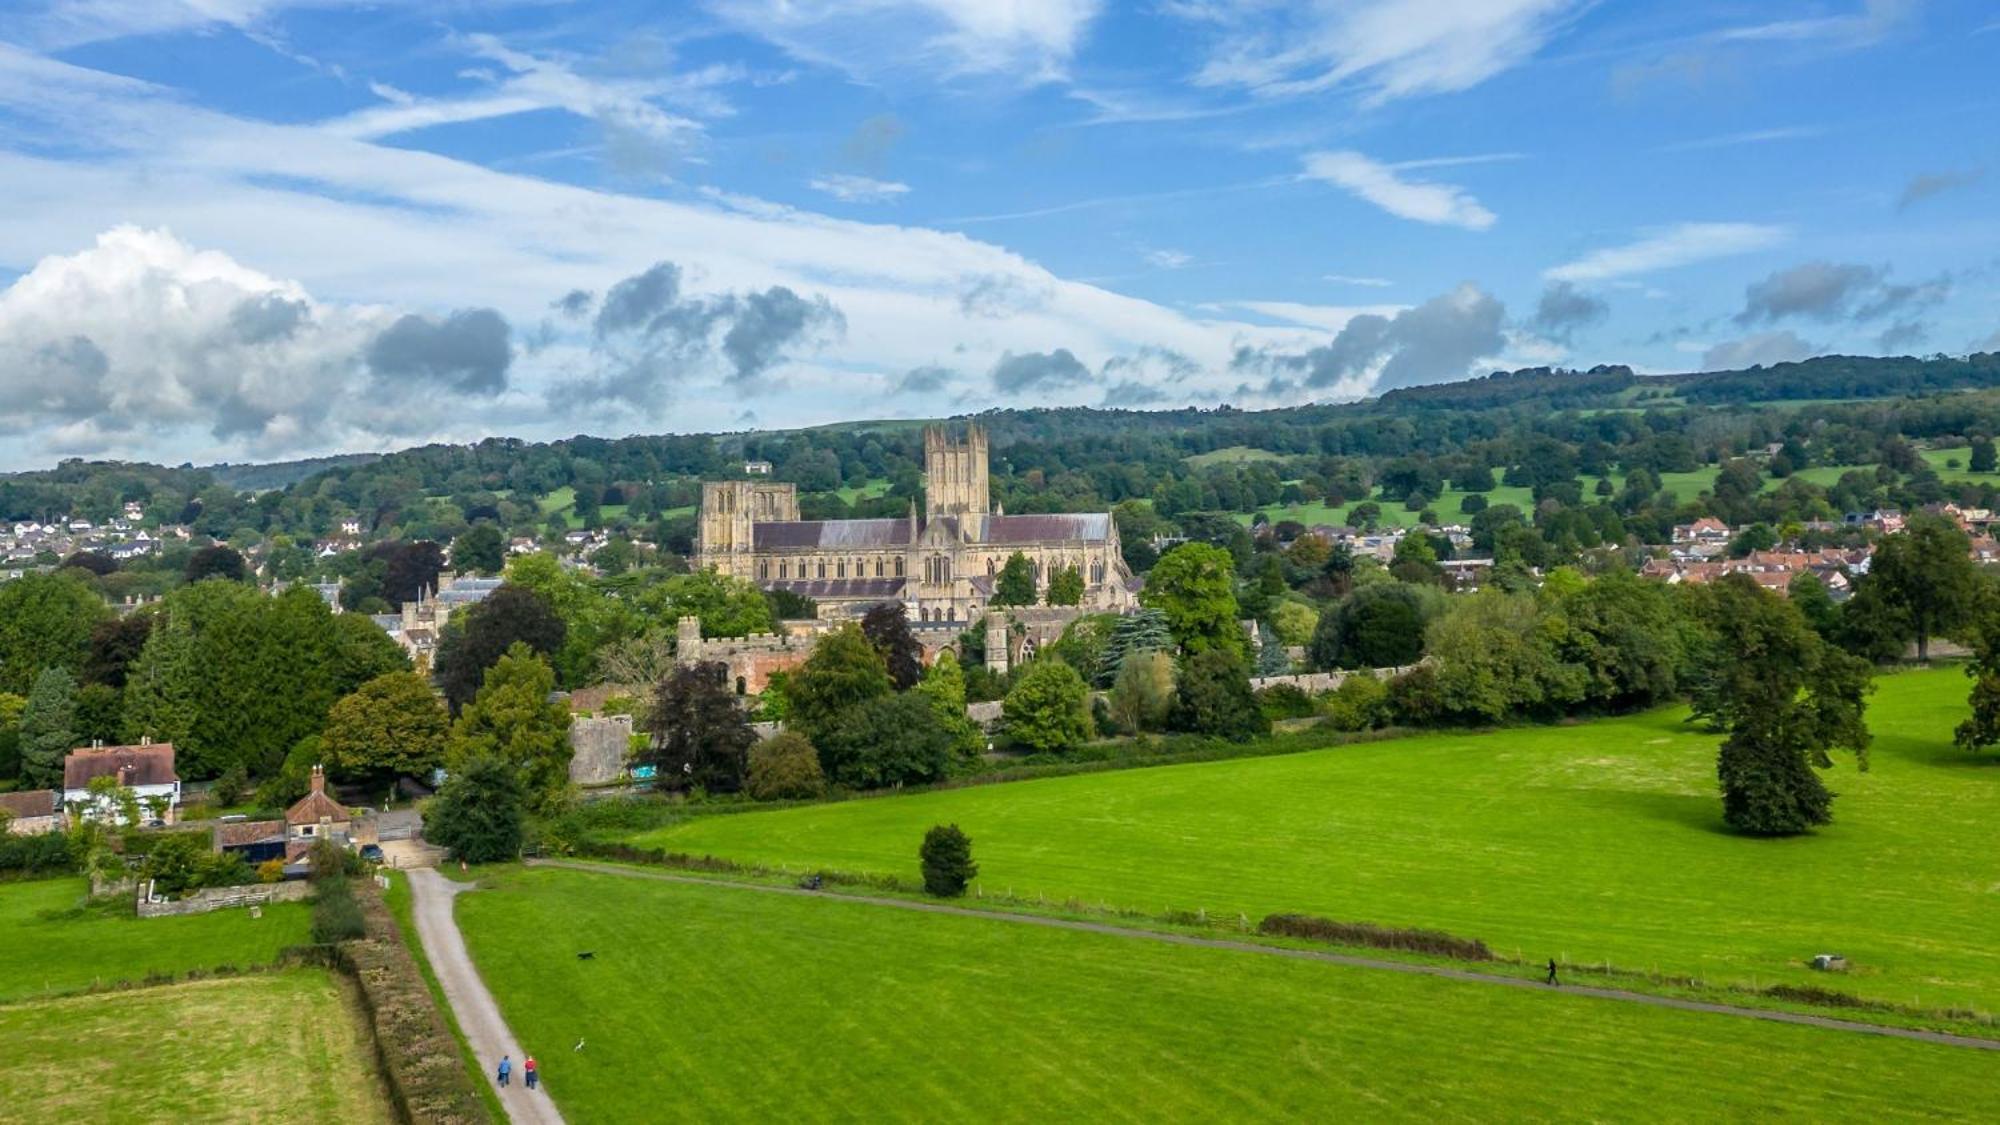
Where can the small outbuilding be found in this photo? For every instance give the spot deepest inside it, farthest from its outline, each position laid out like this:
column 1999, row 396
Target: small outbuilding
column 316, row 817
column 31, row 813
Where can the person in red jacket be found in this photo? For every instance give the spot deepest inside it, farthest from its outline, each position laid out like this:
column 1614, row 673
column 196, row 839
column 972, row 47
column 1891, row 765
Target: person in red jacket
column 534, row 1076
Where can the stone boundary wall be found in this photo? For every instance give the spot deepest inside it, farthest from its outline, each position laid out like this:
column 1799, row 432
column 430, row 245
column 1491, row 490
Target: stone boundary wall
column 1315, row 683
column 598, row 747
column 222, row 898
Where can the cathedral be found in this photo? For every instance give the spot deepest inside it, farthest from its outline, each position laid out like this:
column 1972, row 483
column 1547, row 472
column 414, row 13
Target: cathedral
column 941, row 565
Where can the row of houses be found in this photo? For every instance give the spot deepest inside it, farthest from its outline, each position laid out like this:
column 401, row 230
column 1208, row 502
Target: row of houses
column 147, row 775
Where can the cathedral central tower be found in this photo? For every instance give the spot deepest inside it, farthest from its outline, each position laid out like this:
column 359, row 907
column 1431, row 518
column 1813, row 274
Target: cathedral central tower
column 955, row 477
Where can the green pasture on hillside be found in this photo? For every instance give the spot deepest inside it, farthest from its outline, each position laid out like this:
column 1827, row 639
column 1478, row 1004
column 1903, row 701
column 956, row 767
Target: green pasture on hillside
column 49, row 943
column 268, row 1047
column 1599, row 841
column 717, row 1003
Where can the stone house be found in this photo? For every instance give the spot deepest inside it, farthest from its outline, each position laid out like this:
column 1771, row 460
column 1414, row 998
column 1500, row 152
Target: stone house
column 32, row 812
column 316, row 817
column 147, row 769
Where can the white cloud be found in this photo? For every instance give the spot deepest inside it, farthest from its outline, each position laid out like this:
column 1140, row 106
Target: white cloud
column 1378, row 183
column 1169, row 259
column 57, row 24
column 1389, row 48
column 1033, row 39
column 857, row 189
column 1873, row 20
column 1331, row 318
column 361, row 224
column 1679, row 245
column 1369, row 282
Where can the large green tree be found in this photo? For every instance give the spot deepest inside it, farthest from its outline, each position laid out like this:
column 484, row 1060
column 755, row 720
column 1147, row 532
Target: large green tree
column 1065, row 586
column 1380, row 625
column 45, row 621
column 1048, row 708
column 1926, row 572
column 517, row 719
column 843, row 671
column 884, row 741
column 1015, row 584
column 1194, row 585
column 48, row 728
column 392, row 726
column 1212, row 696
column 1143, row 693
column 1787, row 699
column 887, row 627
column 481, row 549
column 701, row 735
column 477, row 815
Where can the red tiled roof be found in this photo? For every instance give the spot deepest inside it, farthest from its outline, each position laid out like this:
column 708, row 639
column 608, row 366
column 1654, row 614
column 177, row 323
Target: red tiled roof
column 31, row 803
column 243, row 833
column 150, row 765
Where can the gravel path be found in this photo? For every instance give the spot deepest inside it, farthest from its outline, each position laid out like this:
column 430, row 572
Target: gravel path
column 478, row 1016
column 1314, row 955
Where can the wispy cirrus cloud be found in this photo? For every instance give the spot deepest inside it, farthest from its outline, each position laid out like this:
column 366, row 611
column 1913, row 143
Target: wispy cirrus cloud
column 1680, row 245
column 850, row 188
column 1387, row 49
column 1386, row 187
column 1032, row 40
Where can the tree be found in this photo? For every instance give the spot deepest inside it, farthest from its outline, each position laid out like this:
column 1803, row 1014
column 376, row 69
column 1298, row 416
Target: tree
column 1065, row 586
column 1380, row 625
column 216, row 561
column 785, row 768
column 99, row 714
column 1015, row 584
column 392, row 726
column 843, row 671
column 11, row 706
column 48, row 728
column 1493, row 656
column 947, row 861
column 1983, row 459
column 45, row 621
column 1212, row 696
column 1048, row 708
column 477, row 637
column 1786, row 699
column 514, row 719
column 476, row 816
column 700, row 733
column 887, row 627
column 1143, row 692
column 1194, row 585
column 115, row 643
column 1809, row 594
column 481, row 549
column 944, row 685
column 885, row 740
column 1134, row 633
column 1294, row 623
column 1982, row 729
column 1926, row 572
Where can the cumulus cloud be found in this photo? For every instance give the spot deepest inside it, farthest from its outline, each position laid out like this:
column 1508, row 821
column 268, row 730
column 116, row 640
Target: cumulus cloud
column 1388, row 48
column 857, row 189
column 1385, row 187
column 1927, row 184
column 1830, row 291
column 653, row 336
column 1679, row 245
column 1436, row 341
column 927, row 379
column 144, row 334
column 1564, row 308
column 999, row 296
column 1131, row 394
column 1902, row 336
column 468, row 351
column 1758, row 349
column 1029, row 371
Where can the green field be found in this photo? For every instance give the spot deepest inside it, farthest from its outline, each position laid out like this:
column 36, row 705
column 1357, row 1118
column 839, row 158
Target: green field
column 1595, row 842
column 48, row 944
column 1939, row 460
column 873, row 487
column 713, row 1003
column 1232, row 455
column 268, row 1047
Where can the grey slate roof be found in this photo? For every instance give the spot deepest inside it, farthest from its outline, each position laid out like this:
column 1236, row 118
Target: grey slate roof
column 794, row 534
column 1086, row 526
column 838, row 588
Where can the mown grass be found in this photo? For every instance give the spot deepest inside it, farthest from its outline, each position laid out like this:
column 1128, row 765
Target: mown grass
column 1595, row 842
column 50, row 943
column 284, row 1046
column 714, row 1003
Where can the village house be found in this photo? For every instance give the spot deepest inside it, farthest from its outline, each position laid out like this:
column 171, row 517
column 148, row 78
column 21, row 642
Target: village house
column 254, row 840
column 146, row 769
column 30, row 813
column 316, row 817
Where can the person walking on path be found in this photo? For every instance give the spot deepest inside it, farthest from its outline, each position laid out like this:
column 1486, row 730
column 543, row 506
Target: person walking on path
column 1552, row 972
column 528, row 1069
column 506, row 1068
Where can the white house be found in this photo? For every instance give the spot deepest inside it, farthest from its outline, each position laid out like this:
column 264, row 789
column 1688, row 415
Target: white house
column 146, row 769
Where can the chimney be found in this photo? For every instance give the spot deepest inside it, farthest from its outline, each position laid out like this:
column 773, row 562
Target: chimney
column 145, row 740
column 318, row 781
column 124, row 773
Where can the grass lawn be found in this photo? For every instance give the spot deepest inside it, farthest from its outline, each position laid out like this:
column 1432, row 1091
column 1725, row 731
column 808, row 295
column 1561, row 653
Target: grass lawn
column 711, row 1003
column 1232, row 455
column 875, row 486
column 266, row 1047
column 1597, row 841
column 49, row 945
column 1939, row 458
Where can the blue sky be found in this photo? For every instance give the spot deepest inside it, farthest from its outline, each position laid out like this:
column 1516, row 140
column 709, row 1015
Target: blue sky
column 245, row 229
